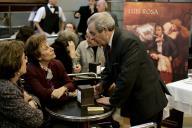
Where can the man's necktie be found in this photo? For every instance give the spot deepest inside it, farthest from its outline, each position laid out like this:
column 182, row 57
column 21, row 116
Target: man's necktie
column 108, row 52
column 52, row 8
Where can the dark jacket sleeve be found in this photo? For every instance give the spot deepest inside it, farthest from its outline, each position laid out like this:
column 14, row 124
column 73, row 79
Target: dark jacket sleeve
column 128, row 70
column 79, row 11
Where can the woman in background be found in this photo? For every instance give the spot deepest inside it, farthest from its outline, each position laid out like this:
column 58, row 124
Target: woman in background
column 72, row 27
column 17, row 108
column 64, row 47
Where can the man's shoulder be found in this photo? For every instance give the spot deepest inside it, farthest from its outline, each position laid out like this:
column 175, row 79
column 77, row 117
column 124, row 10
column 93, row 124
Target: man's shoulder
column 84, row 7
column 5, row 83
column 42, row 8
column 126, row 39
column 82, row 43
column 128, row 34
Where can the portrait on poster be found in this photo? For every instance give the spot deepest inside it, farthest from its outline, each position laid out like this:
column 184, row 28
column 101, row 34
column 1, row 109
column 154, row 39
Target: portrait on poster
column 164, row 28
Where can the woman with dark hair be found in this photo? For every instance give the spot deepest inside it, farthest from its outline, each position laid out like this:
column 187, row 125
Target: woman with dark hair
column 46, row 76
column 72, row 27
column 62, row 54
column 64, row 47
column 17, row 108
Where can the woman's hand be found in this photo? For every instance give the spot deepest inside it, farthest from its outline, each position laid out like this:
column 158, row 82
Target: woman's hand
column 71, row 49
column 33, row 104
column 73, row 94
column 57, row 93
column 27, row 97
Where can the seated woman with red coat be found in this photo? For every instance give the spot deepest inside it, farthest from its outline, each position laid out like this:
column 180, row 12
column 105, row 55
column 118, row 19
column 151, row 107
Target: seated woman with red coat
column 46, row 77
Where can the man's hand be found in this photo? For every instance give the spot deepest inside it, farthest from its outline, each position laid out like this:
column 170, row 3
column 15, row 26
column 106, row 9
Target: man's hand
column 77, row 15
column 97, row 90
column 103, row 100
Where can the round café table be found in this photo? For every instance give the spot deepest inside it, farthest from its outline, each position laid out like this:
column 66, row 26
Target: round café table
column 72, row 111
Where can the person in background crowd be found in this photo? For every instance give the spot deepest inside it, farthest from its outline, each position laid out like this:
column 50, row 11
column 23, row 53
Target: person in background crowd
column 24, row 33
column 139, row 92
column 102, row 7
column 17, row 108
column 46, row 77
column 89, row 52
column 64, row 47
column 84, row 13
column 49, row 18
column 71, row 27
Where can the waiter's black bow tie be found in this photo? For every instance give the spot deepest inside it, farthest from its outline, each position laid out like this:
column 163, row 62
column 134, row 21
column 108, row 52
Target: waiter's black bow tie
column 52, row 6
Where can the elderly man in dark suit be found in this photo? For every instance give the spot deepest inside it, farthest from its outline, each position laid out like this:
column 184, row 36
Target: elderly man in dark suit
column 139, row 92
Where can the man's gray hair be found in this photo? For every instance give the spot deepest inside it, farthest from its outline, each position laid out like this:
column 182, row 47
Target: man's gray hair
column 102, row 20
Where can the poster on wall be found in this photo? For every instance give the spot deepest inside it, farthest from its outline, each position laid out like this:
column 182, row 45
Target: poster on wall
column 164, row 28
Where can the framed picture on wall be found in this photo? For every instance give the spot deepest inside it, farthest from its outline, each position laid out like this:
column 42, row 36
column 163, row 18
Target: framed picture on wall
column 164, row 28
